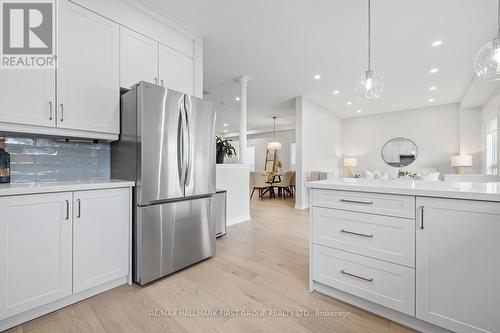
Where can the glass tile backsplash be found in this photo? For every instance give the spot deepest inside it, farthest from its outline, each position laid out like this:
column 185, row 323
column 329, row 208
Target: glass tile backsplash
column 48, row 159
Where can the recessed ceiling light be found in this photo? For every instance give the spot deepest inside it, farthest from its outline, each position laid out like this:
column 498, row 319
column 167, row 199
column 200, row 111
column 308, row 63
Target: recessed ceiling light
column 225, row 124
column 336, row 92
column 349, row 103
column 317, row 77
column 237, row 99
column 431, row 88
column 225, row 131
column 434, row 70
column 437, row 43
column 430, row 100
column 359, row 111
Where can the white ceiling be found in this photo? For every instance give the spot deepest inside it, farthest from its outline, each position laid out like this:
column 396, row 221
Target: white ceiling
column 282, row 44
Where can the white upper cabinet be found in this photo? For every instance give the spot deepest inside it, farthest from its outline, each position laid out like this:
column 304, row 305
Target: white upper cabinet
column 88, row 79
column 35, row 251
column 458, row 274
column 95, row 57
column 100, row 236
column 138, row 58
column 28, row 97
column 176, row 70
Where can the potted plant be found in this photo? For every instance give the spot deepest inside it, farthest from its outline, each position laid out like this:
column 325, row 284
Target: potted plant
column 224, row 148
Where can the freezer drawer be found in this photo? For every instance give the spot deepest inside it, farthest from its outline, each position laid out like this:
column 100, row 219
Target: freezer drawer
column 171, row 236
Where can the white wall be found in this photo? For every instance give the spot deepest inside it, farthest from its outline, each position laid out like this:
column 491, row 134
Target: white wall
column 319, row 143
column 435, row 130
column 470, row 137
column 260, row 141
column 234, row 178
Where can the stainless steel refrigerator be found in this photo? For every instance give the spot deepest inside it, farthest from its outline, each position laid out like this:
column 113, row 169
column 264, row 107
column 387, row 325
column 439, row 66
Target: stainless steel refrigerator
column 167, row 145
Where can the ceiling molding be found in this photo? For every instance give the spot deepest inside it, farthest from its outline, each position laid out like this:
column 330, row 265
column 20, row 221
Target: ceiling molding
column 279, row 128
column 157, row 13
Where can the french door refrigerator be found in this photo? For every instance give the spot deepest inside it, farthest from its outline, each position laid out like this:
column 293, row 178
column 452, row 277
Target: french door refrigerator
column 167, row 146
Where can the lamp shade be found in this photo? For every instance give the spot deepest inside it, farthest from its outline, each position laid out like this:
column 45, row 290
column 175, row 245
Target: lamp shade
column 461, row 161
column 350, row 162
column 274, row 145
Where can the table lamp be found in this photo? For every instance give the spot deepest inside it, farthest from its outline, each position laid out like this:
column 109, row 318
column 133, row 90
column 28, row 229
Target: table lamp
column 461, row 162
column 349, row 163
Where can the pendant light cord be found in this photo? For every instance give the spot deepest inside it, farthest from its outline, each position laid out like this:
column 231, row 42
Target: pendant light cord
column 370, row 33
column 274, row 126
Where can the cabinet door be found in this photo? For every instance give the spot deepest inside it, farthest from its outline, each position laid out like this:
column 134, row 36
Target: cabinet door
column 28, row 97
column 458, row 273
column 88, row 79
column 100, row 237
column 176, row 70
column 35, row 251
column 138, row 58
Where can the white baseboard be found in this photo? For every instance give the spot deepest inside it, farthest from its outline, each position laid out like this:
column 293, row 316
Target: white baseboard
column 303, row 205
column 238, row 219
column 56, row 305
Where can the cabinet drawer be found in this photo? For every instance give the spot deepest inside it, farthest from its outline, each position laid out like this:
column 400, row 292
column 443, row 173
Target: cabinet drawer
column 381, row 237
column 378, row 281
column 373, row 203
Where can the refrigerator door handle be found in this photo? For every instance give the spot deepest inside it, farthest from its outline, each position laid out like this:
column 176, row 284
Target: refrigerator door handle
column 180, row 143
column 189, row 148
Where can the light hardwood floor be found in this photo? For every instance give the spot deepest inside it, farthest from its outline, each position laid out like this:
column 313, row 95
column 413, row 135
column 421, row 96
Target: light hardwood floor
column 260, row 265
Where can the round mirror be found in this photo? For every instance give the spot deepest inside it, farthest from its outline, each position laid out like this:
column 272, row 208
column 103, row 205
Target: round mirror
column 399, row 152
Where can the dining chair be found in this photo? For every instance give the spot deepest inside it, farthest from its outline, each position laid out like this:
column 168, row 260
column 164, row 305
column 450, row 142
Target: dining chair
column 285, row 185
column 259, row 182
column 293, row 183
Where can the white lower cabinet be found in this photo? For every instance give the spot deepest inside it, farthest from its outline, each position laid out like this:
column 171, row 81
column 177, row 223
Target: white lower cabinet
column 100, row 235
column 60, row 244
column 35, row 251
column 458, row 272
column 378, row 281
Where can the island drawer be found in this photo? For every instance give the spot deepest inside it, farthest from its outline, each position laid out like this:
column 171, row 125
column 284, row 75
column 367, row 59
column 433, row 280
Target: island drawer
column 373, row 203
column 380, row 237
column 378, row 281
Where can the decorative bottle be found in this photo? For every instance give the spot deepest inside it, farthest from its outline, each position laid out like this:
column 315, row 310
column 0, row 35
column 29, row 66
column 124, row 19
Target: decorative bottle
column 4, row 163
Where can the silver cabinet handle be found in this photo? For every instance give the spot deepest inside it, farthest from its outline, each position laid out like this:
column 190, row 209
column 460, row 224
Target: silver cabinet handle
column 62, row 112
column 161, row 82
column 355, row 233
column 50, row 111
column 67, row 210
column 420, row 216
column 356, row 276
column 79, row 213
column 356, row 201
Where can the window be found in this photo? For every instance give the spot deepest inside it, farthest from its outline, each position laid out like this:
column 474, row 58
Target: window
column 492, row 146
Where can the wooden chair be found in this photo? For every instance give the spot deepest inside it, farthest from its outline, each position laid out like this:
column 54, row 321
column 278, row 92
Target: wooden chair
column 285, row 184
column 259, row 182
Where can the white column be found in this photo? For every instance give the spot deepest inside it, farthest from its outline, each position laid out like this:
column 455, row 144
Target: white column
column 243, row 80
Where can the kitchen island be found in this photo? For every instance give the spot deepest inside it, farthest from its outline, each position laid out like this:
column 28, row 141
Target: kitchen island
column 424, row 254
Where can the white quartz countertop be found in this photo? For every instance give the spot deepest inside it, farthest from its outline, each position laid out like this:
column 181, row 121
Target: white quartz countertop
column 61, row 186
column 468, row 191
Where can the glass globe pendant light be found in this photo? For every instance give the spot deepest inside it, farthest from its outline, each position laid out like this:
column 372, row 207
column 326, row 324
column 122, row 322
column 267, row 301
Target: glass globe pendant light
column 274, row 144
column 487, row 62
column 370, row 84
